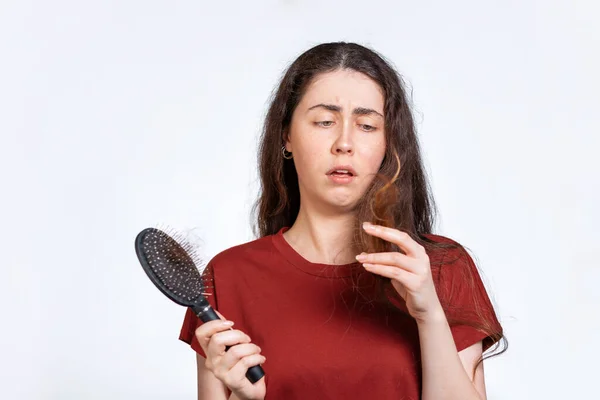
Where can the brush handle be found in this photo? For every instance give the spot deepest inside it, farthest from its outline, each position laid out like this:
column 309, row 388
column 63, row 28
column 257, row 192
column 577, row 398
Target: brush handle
column 206, row 313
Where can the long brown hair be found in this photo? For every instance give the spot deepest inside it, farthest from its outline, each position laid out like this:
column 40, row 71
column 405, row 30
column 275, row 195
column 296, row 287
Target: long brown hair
column 398, row 197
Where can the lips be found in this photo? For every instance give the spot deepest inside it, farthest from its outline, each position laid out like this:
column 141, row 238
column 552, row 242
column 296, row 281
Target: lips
column 342, row 170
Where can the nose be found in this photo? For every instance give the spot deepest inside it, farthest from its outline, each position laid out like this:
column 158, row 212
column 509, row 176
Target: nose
column 343, row 143
column 344, row 148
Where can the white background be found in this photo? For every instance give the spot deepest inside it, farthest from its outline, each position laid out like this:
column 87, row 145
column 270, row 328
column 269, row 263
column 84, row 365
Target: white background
column 116, row 116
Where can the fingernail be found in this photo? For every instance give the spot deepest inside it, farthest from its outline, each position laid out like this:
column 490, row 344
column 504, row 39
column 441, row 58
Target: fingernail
column 228, row 323
column 361, row 257
column 367, row 225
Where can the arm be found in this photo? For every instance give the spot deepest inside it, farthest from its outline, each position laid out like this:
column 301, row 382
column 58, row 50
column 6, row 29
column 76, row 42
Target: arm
column 209, row 387
column 447, row 373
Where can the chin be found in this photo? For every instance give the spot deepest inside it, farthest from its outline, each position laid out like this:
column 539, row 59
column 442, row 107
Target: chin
column 344, row 203
column 340, row 199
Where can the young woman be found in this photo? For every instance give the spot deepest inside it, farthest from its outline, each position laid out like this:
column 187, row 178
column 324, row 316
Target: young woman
column 347, row 293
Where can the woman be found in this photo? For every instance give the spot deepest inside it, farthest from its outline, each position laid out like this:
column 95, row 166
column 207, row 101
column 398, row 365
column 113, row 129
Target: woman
column 346, row 294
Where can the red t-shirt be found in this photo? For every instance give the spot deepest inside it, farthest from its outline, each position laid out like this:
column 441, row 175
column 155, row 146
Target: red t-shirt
column 322, row 338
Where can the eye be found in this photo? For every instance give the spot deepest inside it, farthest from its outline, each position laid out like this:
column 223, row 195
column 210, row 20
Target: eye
column 324, row 124
column 368, row 128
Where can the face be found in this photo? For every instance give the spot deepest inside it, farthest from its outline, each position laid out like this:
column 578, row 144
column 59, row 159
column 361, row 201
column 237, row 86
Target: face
column 338, row 125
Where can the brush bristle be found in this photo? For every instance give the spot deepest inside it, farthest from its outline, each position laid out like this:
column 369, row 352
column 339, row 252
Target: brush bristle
column 176, row 263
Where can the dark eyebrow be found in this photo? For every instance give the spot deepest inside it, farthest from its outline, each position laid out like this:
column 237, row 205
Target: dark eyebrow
column 356, row 111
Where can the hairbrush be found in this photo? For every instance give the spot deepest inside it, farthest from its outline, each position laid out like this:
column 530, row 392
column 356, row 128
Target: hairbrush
column 173, row 265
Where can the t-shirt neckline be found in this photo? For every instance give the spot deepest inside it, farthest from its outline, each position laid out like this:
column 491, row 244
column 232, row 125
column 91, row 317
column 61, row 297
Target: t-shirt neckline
column 304, row 265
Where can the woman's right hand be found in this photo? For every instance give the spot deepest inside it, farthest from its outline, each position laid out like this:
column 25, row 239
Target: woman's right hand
column 230, row 366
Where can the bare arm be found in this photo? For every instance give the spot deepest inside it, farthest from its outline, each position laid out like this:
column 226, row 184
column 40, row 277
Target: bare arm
column 469, row 358
column 447, row 373
column 209, row 387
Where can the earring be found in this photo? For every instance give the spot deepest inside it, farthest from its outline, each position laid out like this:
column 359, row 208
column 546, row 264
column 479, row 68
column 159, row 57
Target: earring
column 287, row 156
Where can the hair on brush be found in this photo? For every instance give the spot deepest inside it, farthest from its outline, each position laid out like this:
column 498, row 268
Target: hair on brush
column 174, row 266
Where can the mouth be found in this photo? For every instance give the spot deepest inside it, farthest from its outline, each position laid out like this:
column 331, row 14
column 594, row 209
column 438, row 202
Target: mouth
column 341, row 174
column 342, row 171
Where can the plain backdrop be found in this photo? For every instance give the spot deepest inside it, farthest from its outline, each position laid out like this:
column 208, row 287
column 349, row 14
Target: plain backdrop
column 119, row 115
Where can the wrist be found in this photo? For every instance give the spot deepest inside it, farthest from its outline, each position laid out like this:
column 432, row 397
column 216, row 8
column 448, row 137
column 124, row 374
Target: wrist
column 235, row 396
column 433, row 317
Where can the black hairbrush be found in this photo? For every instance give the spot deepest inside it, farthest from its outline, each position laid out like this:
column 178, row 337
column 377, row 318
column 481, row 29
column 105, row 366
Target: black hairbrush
column 171, row 264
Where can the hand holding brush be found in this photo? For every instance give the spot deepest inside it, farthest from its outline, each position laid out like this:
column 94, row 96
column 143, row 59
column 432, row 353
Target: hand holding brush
column 172, row 265
column 229, row 353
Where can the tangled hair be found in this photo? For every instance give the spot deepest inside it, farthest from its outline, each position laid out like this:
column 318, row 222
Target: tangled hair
column 399, row 195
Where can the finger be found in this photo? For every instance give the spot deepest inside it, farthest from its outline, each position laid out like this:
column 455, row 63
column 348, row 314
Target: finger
column 395, row 259
column 205, row 331
column 211, row 327
column 237, row 374
column 400, row 238
column 391, row 272
column 235, row 354
column 220, row 340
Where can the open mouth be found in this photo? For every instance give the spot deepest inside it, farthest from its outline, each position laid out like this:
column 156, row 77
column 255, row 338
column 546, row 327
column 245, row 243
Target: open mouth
column 341, row 172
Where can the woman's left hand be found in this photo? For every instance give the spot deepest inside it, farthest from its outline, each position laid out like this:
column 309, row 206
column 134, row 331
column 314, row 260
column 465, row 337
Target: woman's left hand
column 410, row 273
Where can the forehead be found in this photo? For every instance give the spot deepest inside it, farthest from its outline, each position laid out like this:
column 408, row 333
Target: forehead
column 344, row 87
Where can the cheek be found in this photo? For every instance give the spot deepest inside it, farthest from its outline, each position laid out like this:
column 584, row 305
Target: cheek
column 373, row 155
column 310, row 151
column 307, row 160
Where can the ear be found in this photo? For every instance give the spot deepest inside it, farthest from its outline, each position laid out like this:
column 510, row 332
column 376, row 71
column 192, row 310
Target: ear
column 286, row 141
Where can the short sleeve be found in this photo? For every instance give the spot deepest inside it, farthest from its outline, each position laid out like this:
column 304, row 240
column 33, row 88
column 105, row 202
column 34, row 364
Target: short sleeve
column 468, row 307
column 190, row 321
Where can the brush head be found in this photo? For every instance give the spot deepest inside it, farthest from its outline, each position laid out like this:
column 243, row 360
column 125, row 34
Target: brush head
column 172, row 264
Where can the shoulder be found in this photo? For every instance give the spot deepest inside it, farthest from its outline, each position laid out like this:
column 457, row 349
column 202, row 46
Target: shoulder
column 437, row 238
column 256, row 249
column 454, row 270
column 451, row 263
column 444, row 249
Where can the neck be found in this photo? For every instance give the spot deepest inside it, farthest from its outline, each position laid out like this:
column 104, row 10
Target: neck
column 323, row 238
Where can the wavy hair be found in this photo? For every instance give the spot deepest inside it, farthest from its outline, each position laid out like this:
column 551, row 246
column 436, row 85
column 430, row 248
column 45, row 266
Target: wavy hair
column 399, row 195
